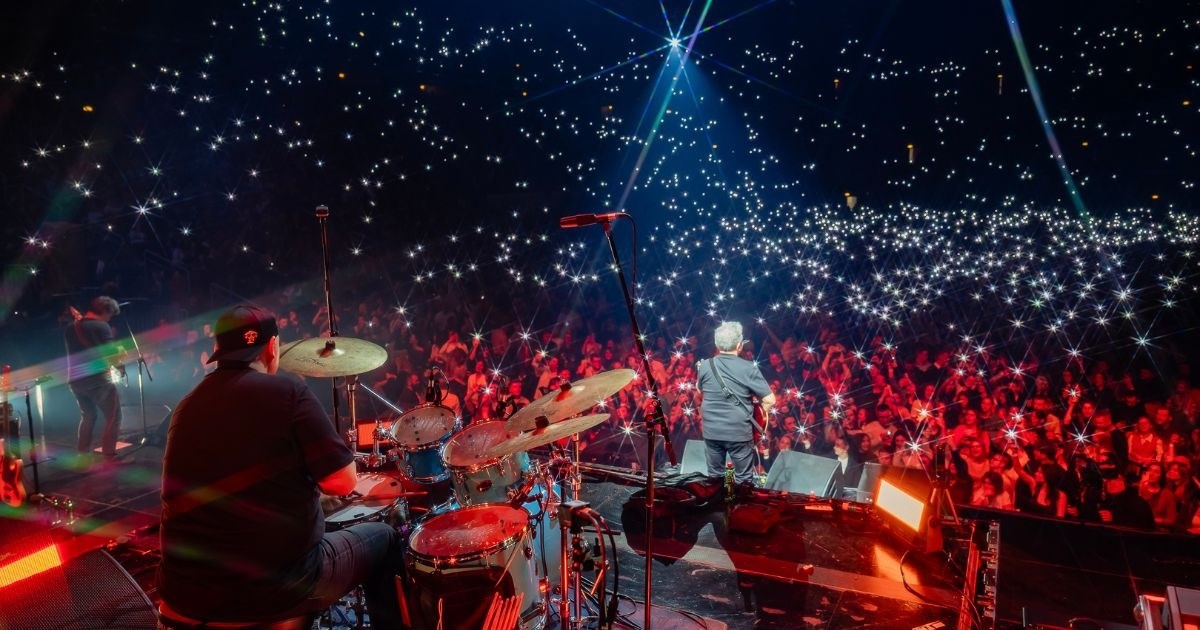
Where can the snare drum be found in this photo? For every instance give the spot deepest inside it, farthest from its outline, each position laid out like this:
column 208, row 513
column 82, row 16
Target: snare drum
column 458, row 560
column 420, row 433
column 384, row 502
column 476, row 479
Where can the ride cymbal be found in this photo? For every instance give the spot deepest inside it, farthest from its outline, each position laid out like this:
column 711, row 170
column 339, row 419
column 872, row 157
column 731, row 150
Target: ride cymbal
column 331, row 356
column 543, row 436
column 575, row 398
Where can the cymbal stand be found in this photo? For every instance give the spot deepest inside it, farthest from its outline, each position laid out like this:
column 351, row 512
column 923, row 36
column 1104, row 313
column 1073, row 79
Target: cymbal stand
column 378, row 434
column 380, row 398
column 323, row 218
column 33, row 457
column 351, row 388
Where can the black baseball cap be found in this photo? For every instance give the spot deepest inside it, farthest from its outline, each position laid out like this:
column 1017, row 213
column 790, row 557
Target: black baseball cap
column 242, row 332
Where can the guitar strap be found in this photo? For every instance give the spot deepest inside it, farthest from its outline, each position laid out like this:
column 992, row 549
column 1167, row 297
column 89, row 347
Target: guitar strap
column 79, row 335
column 712, row 367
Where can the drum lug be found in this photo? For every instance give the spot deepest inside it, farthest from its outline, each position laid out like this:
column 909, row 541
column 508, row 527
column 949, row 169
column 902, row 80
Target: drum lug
column 528, row 552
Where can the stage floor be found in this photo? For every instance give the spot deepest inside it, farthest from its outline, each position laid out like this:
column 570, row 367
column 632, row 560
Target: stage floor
column 814, row 570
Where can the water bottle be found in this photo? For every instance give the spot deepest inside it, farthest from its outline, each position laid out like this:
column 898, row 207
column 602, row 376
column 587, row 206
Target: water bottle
column 729, row 482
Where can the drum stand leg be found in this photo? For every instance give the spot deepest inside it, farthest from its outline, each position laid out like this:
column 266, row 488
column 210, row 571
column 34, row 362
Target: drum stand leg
column 572, row 559
column 360, row 605
column 564, row 523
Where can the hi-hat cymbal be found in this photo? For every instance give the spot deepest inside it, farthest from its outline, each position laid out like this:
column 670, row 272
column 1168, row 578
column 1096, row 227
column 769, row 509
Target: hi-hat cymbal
column 545, row 435
column 331, row 356
column 577, row 398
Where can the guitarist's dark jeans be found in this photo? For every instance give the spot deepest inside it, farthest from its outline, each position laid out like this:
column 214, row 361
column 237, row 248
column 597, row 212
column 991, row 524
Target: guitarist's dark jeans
column 96, row 401
column 740, row 453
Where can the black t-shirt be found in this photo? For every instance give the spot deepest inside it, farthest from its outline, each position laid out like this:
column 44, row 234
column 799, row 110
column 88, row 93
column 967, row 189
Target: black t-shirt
column 240, row 507
column 724, row 419
column 88, row 351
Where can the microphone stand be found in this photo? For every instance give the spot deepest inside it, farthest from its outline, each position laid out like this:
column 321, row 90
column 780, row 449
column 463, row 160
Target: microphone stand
column 141, row 361
column 33, row 457
column 331, row 345
column 654, row 422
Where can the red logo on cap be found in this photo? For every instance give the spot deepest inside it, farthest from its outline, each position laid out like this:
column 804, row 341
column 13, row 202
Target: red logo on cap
column 250, row 336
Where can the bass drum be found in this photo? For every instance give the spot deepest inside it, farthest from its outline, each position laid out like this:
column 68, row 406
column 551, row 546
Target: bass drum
column 459, row 562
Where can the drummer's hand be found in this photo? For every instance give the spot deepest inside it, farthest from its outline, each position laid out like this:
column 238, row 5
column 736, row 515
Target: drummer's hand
column 330, row 503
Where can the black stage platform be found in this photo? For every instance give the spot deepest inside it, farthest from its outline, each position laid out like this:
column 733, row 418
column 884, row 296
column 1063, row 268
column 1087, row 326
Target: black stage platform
column 819, row 568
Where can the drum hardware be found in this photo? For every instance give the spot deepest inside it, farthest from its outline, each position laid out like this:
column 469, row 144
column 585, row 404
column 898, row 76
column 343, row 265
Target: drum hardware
column 571, row 399
column 577, row 557
column 379, row 436
column 59, row 505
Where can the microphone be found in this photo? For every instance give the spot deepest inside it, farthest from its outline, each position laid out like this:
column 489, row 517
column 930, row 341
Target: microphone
column 430, row 396
column 580, row 220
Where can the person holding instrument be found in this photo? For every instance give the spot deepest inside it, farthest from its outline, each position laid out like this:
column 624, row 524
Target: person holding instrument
column 91, row 353
column 727, row 382
column 248, row 454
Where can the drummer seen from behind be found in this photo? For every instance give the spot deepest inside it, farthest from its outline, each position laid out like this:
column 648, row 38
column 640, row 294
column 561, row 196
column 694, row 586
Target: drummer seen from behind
column 248, row 454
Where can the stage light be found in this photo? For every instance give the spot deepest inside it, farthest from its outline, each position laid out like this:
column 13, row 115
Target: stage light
column 675, row 42
column 37, row 562
column 911, row 506
column 901, row 506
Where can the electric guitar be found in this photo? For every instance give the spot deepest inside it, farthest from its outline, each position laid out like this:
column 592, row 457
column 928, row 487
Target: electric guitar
column 12, row 483
column 120, row 369
column 758, row 422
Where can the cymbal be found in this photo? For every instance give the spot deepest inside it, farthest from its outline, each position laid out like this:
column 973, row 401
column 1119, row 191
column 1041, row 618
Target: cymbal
column 545, row 435
column 578, row 398
column 331, row 356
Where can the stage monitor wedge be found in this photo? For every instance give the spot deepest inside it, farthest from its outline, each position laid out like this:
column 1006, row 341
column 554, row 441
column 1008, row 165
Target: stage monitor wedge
column 801, row 473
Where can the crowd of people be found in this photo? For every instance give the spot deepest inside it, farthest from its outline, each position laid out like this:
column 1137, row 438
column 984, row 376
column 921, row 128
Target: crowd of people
column 1079, row 439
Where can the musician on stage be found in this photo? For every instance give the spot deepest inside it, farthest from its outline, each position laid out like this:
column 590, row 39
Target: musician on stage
column 91, row 352
column 726, row 415
column 248, row 454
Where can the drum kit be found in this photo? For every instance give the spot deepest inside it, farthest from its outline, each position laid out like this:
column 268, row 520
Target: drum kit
column 488, row 547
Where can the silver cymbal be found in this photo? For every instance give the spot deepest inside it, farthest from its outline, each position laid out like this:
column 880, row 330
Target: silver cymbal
column 575, row 399
column 331, row 356
column 543, row 436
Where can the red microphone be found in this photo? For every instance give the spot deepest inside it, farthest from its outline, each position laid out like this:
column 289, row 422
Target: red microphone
column 580, row 220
